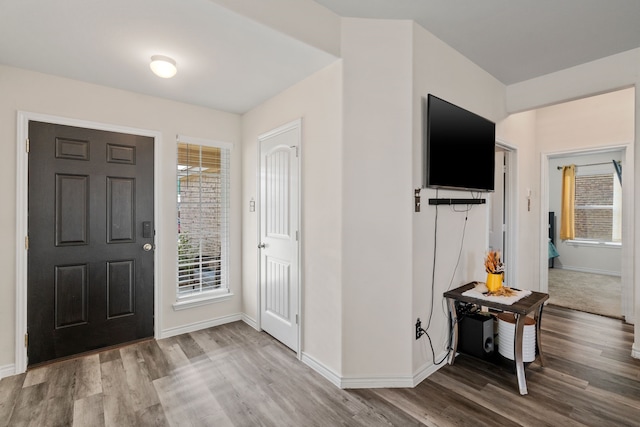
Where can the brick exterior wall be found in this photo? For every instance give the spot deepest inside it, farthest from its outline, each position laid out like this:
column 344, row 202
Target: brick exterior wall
column 199, row 215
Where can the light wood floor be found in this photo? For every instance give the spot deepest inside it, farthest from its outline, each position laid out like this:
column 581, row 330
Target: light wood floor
column 234, row 376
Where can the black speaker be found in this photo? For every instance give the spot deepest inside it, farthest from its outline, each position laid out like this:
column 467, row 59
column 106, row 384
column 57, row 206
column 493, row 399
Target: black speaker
column 475, row 335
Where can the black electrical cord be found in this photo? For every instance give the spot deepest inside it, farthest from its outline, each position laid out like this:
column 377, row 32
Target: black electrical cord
column 433, row 267
column 464, row 232
column 433, row 273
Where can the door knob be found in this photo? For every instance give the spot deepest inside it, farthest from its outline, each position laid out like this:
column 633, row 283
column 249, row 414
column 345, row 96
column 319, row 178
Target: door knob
column 262, row 246
column 147, row 247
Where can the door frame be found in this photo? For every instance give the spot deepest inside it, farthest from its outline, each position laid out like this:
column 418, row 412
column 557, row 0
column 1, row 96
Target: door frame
column 628, row 215
column 22, row 187
column 295, row 124
column 511, row 207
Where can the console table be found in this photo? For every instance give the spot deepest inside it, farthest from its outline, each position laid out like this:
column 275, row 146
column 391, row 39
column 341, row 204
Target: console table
column 533, row 303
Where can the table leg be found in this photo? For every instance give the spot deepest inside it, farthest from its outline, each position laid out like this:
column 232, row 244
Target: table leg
column 538, row 319
column 453, row 318
column 522, row 381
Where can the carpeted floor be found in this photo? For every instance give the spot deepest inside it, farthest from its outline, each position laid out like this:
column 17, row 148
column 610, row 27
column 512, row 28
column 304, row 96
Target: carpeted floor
column 593, row 293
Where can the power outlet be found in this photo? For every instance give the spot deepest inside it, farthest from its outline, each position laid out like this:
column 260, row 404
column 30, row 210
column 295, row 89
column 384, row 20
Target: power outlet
column 419, row 330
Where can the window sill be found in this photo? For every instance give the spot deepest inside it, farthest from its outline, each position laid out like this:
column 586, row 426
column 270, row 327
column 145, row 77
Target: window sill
column 593, row 244
column 200, row 300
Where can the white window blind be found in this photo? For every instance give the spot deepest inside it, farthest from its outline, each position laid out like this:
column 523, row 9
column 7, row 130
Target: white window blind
column 203, row 218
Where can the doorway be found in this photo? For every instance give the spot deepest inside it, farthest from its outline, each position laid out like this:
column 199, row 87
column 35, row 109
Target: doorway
column 501, row 209
column 90, row 227
column 279, row 234
column 593, row 125
column 22, row 225
column 585, row 270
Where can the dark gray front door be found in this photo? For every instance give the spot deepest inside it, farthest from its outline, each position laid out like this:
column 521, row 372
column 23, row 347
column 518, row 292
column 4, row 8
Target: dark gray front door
column 90, row 278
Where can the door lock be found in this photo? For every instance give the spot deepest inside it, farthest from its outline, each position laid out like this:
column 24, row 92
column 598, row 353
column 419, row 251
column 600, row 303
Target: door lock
column 147, row 247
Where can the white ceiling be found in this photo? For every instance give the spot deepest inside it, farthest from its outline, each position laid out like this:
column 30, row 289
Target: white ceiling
column 516, row 40
column 231, row 63
column 225, row 61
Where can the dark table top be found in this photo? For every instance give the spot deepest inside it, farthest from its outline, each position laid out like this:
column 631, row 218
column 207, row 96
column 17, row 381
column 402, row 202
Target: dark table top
column 524, row 306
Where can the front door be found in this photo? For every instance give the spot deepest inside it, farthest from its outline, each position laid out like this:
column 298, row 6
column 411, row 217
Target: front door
column 90, row 258
column 279, row 233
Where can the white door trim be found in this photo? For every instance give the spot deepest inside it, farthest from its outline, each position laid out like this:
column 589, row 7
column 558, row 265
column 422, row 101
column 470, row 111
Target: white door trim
column 22, row 187
column 295, row 124
column 511, row 207
column 628, row 215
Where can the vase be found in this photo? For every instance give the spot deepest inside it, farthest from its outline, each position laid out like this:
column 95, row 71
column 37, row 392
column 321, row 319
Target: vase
column 494, row 281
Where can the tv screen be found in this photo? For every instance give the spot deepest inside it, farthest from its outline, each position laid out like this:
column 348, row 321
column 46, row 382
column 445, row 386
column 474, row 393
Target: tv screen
column 460, row 148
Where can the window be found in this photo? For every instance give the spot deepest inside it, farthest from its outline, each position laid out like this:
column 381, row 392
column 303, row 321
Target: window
column 203, row 219
column 598, row 207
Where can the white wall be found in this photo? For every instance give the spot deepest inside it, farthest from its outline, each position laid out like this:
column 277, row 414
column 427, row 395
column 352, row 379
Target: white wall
column 377, row 199
column 604, row 75
column 518, row 130
column 362, row 148
column 317, row 100
column 44, row 94
column 440, row 70
column 590, row 123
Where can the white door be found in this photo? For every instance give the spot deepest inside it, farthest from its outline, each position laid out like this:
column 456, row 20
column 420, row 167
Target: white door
column 497, row 208
column 279, row 233
column 496, row 231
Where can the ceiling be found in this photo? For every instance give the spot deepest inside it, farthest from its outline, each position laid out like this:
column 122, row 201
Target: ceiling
column 225, row 61
column 516, row 40
column 229, row 62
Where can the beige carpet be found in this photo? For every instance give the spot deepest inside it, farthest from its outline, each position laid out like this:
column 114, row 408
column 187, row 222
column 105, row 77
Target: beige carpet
column 593, row 293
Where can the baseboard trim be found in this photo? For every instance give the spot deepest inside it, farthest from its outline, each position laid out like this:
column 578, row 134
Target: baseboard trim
column 373, row 382
column 427, row 369
column 635, row 351
column 7, row 371
column 393, row 382
column 589, row 270
column 192, row 327
column 251, row 322
column 327, row 373
column 378, row 382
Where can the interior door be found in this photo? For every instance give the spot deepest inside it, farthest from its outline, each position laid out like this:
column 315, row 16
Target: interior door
column 279, row 234
column 90, row 259
column 497, row 217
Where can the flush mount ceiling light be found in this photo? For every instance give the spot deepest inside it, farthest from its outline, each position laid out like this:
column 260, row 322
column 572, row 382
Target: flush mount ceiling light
column 163, row 66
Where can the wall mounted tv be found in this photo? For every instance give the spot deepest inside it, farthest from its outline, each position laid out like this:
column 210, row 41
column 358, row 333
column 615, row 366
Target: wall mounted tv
column 459, row 148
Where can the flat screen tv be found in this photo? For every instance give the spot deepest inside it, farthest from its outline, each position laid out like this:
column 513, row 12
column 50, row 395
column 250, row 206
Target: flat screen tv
column 460, row 148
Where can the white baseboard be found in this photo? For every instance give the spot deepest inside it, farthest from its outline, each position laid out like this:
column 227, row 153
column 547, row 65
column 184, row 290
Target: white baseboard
column 7, row 371
column 192, row 327
column 372, row 382
column 378, row 382
column 635, row 351
column 251, row 322
column 427, row 369
column 589, row 270
column 327, row 373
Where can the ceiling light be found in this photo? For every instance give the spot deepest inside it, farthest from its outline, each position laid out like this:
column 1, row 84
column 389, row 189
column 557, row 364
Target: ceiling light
column 163, row 66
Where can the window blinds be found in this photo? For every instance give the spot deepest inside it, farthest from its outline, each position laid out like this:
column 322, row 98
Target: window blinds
column 203, row 214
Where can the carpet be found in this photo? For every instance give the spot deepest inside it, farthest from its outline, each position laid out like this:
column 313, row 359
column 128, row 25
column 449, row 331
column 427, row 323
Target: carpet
column 592, row 293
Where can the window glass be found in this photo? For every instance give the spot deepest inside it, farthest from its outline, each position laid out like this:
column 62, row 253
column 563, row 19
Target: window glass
column 598, row 207
column 202, row 222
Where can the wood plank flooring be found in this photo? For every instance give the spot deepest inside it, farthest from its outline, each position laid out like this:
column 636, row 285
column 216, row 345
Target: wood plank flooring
column 232, row 375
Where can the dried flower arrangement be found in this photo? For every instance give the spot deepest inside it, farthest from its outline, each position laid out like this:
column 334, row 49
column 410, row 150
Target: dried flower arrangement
column 492, row 263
